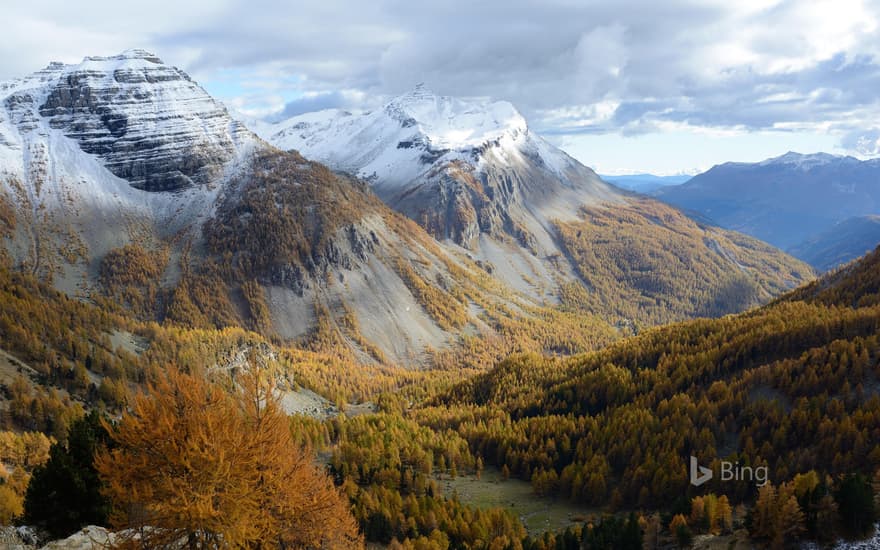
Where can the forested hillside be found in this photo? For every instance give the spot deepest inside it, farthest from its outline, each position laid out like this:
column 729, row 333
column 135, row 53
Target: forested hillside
column 648, row 263
column 792, row 386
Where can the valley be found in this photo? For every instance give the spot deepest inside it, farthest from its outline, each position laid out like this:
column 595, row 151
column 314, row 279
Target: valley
column 538, row 514
column 424, row 323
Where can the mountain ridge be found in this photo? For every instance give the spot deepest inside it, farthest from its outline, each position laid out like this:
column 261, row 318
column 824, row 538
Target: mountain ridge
column 843, row 242
column 785, row 200
column 503, row 194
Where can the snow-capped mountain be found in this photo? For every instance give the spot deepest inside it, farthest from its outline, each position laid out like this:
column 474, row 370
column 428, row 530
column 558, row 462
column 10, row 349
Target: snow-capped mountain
column 806, row 162
column 394, row 146
column 149, row 123
column 784, row 200
column 473, row 174
column 421, row 148
column 469, row 171
column 86, row 148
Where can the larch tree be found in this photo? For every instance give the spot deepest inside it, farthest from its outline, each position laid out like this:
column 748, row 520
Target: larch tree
column 196, row 465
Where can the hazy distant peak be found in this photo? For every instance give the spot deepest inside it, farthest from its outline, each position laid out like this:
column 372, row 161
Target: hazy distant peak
column 804, row 161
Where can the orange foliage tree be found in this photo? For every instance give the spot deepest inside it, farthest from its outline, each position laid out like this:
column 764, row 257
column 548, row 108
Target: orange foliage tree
column 194, row 465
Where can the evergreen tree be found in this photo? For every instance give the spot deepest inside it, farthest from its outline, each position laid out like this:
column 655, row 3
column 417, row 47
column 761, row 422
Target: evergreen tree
column 855, row 503
column 65, row 493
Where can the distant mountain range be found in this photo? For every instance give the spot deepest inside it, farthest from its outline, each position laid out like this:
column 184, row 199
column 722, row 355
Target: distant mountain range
column 644, row 183
column 794, row 202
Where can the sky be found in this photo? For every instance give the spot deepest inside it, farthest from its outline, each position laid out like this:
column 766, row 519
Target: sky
column 625, row 86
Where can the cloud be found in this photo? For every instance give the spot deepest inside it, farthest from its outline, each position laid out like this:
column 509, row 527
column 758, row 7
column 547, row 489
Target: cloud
column 606, row 66
column 864, row 142
column 319, row 102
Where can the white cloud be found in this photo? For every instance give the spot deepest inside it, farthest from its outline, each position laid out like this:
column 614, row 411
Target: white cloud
column 864, row 143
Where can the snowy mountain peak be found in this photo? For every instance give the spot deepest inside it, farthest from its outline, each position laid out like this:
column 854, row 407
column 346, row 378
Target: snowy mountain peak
column 140, row 53
column 420, row 91
column 127, row 55
column 148, row 122
column 411, row 135
column 453, row 123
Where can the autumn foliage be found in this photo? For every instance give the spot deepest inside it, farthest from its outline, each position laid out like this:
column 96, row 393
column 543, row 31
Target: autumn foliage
column 650, row 263
column 196, row 465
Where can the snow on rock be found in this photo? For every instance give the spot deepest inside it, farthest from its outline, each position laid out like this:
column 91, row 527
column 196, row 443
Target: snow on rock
column 402, row 140
column 93, row 153
column 149, row 123
column 805, row 162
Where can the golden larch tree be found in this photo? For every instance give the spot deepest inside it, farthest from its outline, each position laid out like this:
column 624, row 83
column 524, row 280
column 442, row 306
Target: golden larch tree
column 194, row 464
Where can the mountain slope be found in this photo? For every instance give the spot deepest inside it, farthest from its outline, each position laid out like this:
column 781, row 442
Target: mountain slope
column 794, row 386
column 83, row 148
column 843, row 242
column 468, row 171
column 474, row 175
column 646, row 262
column 784, row 200
column 854, row 285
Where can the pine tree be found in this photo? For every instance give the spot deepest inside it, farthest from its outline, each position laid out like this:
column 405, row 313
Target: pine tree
column 855, row 502
column 64, row 494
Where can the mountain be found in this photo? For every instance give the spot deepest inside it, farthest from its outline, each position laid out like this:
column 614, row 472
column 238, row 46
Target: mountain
column 644, row 183
column 845, row 241
column 473, row 174
column 468, row 171
column 122, row 181
column 86, row 149
column 784, row 200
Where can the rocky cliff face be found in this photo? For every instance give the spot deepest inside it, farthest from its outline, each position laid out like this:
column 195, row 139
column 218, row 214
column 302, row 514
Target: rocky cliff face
column 149, row 122
column 89, row 153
